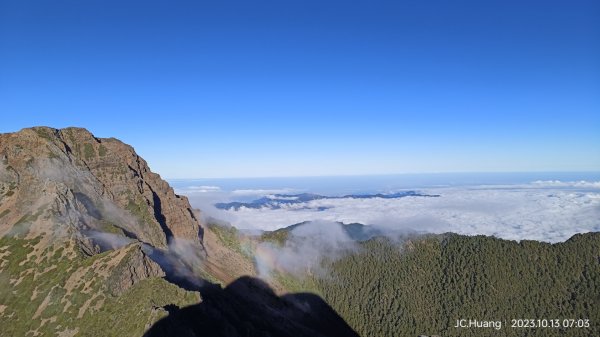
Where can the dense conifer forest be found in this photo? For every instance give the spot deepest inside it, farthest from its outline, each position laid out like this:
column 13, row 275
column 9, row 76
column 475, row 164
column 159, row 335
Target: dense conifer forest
column 423, row 286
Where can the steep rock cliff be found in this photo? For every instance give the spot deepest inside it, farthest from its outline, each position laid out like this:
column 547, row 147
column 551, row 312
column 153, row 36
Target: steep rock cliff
column 90, row 185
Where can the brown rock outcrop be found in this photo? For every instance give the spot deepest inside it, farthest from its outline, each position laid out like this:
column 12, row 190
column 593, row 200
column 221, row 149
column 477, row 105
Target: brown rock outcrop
column 89, row 184
column 132, row 268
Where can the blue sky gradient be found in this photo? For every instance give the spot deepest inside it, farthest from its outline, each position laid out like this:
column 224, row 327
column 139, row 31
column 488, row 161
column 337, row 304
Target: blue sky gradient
column 299, row 88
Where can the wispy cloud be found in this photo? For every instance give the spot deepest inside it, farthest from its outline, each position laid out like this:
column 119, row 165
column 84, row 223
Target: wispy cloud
column 304, row 249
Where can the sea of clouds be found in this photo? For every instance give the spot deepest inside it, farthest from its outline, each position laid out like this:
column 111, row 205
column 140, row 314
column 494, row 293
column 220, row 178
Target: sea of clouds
column 550, row 211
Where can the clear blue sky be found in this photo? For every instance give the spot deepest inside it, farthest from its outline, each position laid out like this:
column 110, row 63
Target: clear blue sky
column 284, row 88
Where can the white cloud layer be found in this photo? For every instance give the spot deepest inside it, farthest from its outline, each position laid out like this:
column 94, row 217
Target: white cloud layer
column 545, row 211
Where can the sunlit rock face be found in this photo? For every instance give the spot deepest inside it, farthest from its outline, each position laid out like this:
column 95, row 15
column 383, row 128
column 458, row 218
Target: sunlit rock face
column 91, row 185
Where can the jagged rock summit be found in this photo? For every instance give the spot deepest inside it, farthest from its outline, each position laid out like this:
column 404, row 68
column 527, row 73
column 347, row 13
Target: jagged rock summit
column 91, row 185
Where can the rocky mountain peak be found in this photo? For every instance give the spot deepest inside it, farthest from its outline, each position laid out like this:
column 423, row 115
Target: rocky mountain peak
column 92, row 185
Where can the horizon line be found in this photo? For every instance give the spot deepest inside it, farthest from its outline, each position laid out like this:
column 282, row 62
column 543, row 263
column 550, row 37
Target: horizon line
column 388, row 174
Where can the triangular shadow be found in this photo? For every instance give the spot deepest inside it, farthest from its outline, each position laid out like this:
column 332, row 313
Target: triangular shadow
column 249, row 307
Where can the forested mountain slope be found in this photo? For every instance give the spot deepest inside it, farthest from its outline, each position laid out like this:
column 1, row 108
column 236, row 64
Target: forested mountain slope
column 424, row 284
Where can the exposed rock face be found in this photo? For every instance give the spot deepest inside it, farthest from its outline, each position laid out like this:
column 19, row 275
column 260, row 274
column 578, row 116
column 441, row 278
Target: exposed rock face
column 134, row 267
column 90, row 184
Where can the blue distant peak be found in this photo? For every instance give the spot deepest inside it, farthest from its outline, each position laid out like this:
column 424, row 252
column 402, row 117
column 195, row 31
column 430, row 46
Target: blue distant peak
column 276, row 201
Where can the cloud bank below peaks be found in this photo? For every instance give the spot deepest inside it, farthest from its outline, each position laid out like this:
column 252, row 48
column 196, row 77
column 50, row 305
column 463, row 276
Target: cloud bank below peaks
column 549, row 211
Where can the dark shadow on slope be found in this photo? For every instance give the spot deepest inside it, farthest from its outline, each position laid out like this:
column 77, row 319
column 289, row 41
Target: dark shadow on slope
column 89, row 205
column 249, row 307
column 158, row 214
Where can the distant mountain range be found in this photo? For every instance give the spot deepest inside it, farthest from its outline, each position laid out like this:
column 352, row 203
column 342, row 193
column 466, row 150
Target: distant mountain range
column 277, row 201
